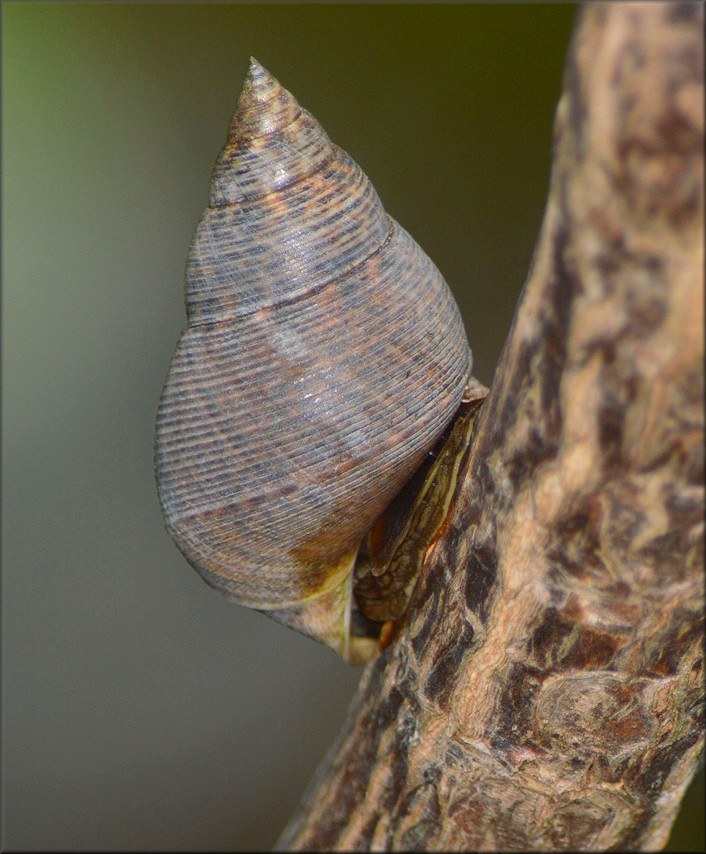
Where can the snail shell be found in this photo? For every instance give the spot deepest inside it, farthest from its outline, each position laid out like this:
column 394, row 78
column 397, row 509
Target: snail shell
column 323, row 357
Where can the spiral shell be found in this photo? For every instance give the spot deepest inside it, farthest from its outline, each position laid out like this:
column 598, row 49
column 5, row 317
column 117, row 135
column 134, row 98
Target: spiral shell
column 323, row 357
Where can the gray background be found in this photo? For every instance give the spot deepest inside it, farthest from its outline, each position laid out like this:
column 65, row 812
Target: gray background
column 140, row 710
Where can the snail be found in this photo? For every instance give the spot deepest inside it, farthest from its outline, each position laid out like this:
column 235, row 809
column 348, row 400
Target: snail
column 323, row 359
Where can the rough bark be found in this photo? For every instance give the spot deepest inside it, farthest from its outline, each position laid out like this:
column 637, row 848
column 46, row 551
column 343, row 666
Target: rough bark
column 545, row 688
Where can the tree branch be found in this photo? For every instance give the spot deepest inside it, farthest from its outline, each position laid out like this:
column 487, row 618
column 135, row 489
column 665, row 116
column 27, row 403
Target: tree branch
column 545, row 689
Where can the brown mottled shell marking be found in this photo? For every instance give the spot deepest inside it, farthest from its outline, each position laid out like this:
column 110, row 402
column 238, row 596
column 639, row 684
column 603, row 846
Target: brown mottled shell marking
column 323, row 357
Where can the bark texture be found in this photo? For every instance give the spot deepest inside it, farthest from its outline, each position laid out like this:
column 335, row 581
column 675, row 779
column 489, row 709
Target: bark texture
column 545, row 689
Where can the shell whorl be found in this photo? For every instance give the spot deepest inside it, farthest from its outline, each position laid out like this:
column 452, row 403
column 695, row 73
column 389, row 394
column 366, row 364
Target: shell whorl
column 286, row 208
column 323, row 357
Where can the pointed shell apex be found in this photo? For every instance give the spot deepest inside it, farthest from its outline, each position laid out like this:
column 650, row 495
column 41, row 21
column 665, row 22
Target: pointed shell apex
column 264, row 107
column 255, row 68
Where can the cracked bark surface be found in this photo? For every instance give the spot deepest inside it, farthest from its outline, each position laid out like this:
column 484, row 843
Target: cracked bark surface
column 545, row 687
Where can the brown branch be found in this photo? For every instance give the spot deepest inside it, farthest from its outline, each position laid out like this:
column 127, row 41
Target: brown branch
column 545, row 690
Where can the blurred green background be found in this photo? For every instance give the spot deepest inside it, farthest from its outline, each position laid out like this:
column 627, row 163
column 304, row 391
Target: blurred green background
column 140, row 710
